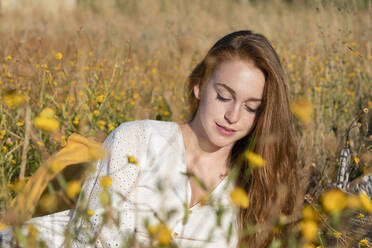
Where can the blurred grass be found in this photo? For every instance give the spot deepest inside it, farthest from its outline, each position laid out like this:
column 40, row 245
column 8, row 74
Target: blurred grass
column 105, row 63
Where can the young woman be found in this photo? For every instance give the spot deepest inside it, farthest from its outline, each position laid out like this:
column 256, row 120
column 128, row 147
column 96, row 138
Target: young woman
column 172, row 182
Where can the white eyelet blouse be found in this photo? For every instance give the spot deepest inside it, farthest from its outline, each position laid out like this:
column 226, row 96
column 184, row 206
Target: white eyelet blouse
column 154, row 190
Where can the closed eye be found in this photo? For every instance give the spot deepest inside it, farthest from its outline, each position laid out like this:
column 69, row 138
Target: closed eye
column 220, row 98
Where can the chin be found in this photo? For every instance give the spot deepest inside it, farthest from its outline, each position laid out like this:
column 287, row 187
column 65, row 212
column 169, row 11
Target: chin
column 221, row 141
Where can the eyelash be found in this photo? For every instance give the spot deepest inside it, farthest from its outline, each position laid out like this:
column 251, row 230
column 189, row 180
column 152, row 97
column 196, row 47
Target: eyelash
column 220, row 98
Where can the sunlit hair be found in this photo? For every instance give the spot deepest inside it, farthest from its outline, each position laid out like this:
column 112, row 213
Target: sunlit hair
column 272, row 135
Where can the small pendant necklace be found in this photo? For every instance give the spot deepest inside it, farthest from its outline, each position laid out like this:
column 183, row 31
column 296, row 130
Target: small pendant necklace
column 222, row 176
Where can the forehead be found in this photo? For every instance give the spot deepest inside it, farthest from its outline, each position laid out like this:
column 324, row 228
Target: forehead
column 242, row 76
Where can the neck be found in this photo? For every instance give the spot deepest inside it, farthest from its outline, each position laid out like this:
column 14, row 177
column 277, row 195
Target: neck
column 200, row 151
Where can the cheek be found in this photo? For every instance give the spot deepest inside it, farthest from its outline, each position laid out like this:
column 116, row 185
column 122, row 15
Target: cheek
column 209, row 104
column 247, row 121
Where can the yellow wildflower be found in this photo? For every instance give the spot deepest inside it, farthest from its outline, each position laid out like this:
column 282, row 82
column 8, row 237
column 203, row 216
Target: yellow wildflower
column 13, row 99
column 20, row 123
column 47, row 113
column 90, row 212
column 254, row 159
column 111, row 127
column 356, row 160
column 9, row 57
column 106, row 182
column 101, row 123
column 337, row 234
column 161, row 233
column 239, row 197
column 2, row 134
column 59, row 56
column 363, row 242
column 334, row 200
column 49, row 202
column 309, row 213
column 100, row 98
column 360, row 216
column 302, row 109
column 73, row 188
column 164, row 235
column 76, row 121
column 152, row 229
column 47, row 124
column 309, row 229
column 132, row 160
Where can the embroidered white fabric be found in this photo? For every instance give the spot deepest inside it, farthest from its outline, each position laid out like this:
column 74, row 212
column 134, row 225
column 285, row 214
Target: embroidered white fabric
column 154, row 190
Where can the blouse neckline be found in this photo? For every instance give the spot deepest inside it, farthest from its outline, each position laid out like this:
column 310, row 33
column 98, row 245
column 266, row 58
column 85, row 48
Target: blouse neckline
column 216, row 188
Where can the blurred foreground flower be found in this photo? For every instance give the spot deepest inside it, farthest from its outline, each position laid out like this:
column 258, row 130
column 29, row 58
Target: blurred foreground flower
column 309, row 229
column 49, row 202
column 132, row 160
column 47, row 124
column 75, row 152
column 365, row 202
column 254, row 159
column 309, row 213
column 59, row 56
column 104, row 198
column 302, row 109
column 239, row 197
column 73, row 188
column 13, row 98
column 46, row 120
column 161, row 232
column 334, row 200
column 106, row 182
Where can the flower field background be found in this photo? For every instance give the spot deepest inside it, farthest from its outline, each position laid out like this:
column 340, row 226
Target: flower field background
column 89, row 69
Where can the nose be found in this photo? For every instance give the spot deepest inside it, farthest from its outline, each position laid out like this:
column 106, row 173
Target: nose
column 232, row 114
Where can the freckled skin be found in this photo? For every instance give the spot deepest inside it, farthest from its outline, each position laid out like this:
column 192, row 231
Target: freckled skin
column 248, row 82
column 207, row 150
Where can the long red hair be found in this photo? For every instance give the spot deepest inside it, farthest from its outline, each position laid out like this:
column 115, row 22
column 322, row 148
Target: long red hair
column 272, row 136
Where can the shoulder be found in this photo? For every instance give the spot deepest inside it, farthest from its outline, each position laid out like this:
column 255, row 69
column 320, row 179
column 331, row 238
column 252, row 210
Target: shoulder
column 144, row 128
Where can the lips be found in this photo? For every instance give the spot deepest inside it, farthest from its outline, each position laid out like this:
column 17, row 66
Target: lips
column 226, row 129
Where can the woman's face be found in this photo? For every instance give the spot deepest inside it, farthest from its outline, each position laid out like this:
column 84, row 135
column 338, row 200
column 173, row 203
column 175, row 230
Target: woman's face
column 229, row 101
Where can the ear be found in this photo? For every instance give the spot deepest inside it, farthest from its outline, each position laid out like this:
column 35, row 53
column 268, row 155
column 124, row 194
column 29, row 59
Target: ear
column 197, row 91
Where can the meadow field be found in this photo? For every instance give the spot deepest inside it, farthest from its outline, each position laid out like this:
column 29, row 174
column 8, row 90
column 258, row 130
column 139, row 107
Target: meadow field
column 88, row 69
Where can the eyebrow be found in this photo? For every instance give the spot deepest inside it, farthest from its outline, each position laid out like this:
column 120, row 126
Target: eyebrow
column 233, row 92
